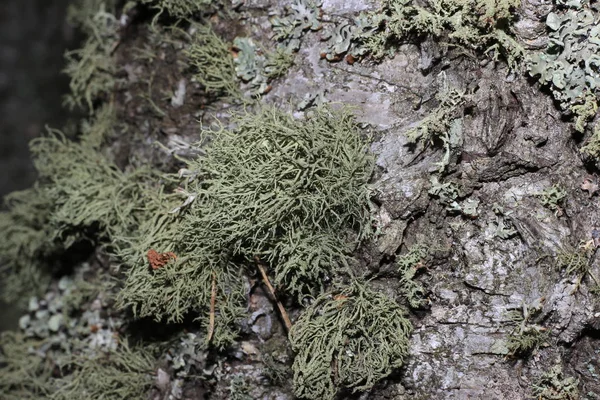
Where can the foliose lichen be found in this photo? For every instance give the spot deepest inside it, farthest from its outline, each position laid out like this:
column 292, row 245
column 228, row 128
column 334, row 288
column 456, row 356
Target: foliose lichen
column 569, row 65
column 478, row 25
column 554, row 385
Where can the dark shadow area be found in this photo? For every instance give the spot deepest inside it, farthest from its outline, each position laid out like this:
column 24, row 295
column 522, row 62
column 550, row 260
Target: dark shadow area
column 33, row 38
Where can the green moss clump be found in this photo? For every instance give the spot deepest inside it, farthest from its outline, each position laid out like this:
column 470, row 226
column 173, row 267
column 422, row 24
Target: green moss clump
column 349, row 340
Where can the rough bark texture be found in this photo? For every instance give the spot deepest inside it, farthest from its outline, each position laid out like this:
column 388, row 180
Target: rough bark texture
column 515, row 145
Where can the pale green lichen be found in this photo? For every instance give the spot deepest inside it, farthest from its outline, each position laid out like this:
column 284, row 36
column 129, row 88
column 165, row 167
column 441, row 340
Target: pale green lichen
column 349, row 339
column 554, row 385
column 182, row 8
column 286, row 191
column 299, row 17
column 276, row 185
column 478, row 25
column 553, row 197
column 592, row 147
column 569, row 65
column 442, row 126
column 92, row 68
column 526, row 336
column 409, row 265
column 212, row 62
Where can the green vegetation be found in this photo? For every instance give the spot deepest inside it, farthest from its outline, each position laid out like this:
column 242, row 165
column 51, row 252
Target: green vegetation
column 120, row 374
column 92, row 68
column 181, row 8
column 213, row 64
column 526, row 336
column 299, row 17
column 31, row 371
column 257, row 67
column 409, row 265
column 569, row 64
column 553, row 198
column 592, row 147
column 25, row 376
column 476, row 25
column 578, row 262
column 553, row 385
column 286, row 190
column 348, row 339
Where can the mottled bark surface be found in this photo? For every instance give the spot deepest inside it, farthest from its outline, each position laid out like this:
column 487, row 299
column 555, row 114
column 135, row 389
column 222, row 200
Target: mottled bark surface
column 515, row 144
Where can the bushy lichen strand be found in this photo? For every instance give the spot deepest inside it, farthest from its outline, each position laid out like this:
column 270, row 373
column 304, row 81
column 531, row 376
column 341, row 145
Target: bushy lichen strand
column 213, row 64
column 351, row 339
column 275, row 182
column 92, row 67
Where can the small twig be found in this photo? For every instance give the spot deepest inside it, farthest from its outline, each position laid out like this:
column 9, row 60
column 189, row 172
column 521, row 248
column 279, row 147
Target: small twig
column 284, row 314
column 213, row 300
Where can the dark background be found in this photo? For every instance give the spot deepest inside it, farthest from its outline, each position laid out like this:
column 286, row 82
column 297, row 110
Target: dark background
column 33, row 38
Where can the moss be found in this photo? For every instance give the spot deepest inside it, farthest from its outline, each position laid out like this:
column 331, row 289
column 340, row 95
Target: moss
column 349, row 339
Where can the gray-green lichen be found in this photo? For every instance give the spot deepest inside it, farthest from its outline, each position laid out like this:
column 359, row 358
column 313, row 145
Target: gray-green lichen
column 181, row 8
column 257, row 67
column 299, row 17
column 349, row 339
column 92, row 67
column 409, row 265
column 212, row 62
column 554, row 385
column 477, row 25
column 569, row 65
